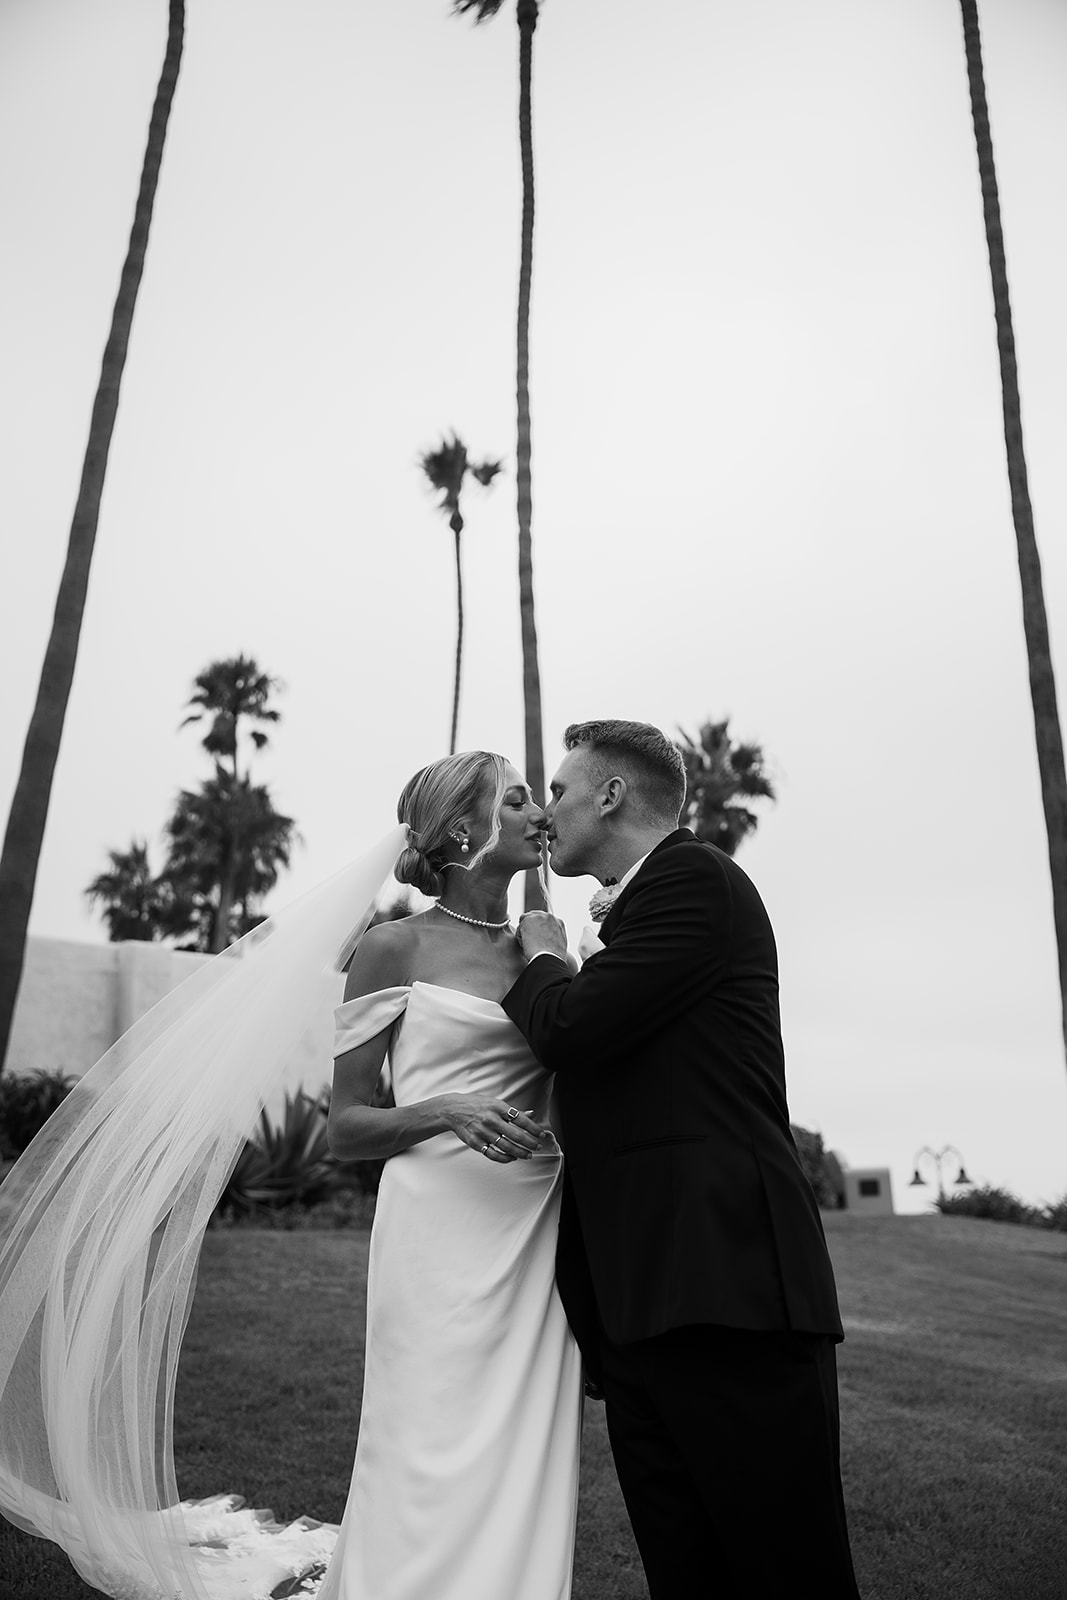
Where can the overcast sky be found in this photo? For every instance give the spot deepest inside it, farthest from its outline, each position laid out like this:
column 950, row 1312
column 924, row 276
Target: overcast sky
column 769, row 473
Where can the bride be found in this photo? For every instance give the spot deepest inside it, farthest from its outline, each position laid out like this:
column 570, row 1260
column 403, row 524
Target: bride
column 465, row 1478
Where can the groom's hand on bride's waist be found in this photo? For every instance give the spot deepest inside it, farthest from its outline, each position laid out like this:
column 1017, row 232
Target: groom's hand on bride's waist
column 541, row 934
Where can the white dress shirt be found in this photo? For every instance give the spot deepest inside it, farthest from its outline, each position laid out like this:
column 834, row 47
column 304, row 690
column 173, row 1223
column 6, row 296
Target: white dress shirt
column 590, row 941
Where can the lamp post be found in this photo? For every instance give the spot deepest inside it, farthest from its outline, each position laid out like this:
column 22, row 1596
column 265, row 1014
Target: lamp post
column 938, row 1158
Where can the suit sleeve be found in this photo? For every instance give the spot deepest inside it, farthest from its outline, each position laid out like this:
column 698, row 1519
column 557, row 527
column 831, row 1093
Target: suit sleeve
column 671, row 943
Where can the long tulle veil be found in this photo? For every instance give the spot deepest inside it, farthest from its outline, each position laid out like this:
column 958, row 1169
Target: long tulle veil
column 101, row 1222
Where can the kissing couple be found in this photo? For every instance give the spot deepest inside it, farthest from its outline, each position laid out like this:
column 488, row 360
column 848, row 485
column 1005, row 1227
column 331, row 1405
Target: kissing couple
column 590, row 1187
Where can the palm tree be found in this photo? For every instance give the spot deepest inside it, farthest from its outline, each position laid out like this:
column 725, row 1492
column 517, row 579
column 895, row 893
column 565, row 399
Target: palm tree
column 719, row 777
column 129, row 895
column 226, row 847
column 29, row 807
column 526, row 15
column 230, row 692
column 226, row 842
column 1035, row 621
column 221, row 825
column 446, row 468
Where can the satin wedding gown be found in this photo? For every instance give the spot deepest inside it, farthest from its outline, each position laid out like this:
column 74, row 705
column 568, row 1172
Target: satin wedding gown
column 466, row 1474
column 466, row 1467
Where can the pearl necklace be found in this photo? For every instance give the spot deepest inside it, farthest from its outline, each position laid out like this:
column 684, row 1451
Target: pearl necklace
column 475, row 922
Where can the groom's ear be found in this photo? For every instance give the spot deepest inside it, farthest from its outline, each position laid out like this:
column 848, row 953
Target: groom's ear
column 612, row 795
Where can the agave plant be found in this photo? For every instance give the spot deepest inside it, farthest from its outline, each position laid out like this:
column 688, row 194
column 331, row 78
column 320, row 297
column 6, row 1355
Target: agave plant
column 284, row 1165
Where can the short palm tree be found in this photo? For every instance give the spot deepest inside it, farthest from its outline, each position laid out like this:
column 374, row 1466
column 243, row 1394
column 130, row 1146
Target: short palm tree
column 128, row 895
column 526, row 16
column 29, row 806
column 1035, row 620
column 720, row 777
column 226, row 847
column 446, row 468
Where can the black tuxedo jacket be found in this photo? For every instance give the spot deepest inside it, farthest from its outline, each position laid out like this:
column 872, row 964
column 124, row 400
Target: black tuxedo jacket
column 684, row 1200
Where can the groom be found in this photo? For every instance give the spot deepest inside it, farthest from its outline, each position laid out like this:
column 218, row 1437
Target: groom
column 691, row 1259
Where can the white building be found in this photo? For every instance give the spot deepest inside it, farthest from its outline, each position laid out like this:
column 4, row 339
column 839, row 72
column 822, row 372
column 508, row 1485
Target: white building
column 868, row 1191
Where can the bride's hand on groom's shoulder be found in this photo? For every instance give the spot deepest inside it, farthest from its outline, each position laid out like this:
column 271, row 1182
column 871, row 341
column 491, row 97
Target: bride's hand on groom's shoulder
column 540, row 933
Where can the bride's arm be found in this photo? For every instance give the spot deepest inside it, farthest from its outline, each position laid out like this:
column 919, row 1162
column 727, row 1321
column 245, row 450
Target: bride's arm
column 359, row 1131
column 356, row 1129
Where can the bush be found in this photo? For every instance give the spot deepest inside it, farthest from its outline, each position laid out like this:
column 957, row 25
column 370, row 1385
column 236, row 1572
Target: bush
column 349, row 1208
column 26, row 1103
column 821, row 1168
column 1000, row 1205
column 990, row 1203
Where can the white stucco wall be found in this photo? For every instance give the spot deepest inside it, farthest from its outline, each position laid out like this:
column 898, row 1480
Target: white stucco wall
column 76, row 999
column 67, row 1012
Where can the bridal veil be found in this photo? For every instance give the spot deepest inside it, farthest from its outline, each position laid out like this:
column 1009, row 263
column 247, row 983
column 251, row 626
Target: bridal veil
column 101, row 1222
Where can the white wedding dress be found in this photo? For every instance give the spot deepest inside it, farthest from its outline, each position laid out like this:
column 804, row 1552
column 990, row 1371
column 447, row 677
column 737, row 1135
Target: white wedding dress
column 466, row 1467
column 466, row 1474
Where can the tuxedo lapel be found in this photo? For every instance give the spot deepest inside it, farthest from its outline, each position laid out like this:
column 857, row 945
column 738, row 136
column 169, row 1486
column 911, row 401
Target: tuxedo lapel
column 611, row 921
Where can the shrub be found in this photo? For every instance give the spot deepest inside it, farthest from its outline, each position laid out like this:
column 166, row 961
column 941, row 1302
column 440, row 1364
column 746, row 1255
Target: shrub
column 821, row 1168
column 994, row 1205
column 348, row 1208
column 1056, row 1215
column 26, row 1103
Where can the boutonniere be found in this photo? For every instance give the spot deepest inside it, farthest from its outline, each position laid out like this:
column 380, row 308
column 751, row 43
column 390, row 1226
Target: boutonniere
column 604, row 899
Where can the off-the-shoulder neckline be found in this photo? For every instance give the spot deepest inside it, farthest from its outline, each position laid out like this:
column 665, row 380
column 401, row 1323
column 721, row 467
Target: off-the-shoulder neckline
column 421, row 983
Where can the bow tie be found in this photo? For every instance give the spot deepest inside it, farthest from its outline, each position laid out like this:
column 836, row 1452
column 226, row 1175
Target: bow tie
column 604, row 899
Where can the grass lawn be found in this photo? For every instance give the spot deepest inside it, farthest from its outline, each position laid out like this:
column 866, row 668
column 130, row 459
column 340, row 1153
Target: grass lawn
column 953, row 1388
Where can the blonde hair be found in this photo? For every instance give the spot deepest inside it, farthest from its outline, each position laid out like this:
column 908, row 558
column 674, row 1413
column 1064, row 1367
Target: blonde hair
column 435, row 801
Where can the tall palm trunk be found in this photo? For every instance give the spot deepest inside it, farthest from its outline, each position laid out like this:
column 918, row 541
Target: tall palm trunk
column 220, row 932
column 531, row 677
column 220, row 929
column 455, row 522
column 29, row 807
column 1035, row 622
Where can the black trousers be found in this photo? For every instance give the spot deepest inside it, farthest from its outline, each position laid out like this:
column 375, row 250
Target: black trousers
column 726, row 1444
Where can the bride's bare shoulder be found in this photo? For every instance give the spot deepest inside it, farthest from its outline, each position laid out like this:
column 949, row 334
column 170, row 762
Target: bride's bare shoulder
column 386, row 957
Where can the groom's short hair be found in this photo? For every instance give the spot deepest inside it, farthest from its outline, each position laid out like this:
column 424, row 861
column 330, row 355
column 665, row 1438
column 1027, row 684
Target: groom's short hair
column 645, row 757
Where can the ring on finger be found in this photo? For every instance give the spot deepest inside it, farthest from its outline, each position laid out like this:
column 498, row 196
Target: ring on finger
column 512, row 1114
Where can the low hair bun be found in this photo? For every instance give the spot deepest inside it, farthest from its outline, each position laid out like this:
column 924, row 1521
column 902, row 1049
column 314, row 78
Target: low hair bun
column 414, row 868
column 454, row 791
